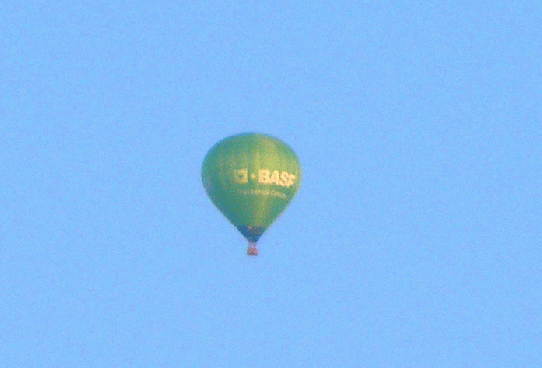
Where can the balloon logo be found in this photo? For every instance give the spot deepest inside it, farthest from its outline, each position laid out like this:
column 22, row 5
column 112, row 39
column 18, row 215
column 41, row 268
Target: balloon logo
column 251, row 178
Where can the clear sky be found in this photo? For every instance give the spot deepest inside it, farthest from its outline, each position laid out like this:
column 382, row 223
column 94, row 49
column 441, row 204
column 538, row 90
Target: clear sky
column 415, row 237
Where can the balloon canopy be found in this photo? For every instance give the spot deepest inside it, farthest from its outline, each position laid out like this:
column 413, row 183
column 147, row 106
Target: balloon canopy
column 251, row 178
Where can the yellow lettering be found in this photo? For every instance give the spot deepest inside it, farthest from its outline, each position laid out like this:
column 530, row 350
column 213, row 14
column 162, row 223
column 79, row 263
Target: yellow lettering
column 263, row 176
column 284, row 179
column 274, row 178
column 291, row 181
column 240, row 176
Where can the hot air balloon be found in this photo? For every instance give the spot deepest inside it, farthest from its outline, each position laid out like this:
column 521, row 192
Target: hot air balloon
column 251, row 178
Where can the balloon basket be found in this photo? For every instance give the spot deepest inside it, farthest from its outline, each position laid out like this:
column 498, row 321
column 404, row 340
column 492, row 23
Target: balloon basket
column 252, row 251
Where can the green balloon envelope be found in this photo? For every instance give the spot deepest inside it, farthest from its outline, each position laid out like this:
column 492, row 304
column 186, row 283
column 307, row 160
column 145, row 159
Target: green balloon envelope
column 251, row 178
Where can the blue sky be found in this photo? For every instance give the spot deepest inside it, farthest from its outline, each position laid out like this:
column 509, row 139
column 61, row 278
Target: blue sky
column 414, row 239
